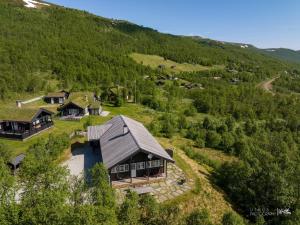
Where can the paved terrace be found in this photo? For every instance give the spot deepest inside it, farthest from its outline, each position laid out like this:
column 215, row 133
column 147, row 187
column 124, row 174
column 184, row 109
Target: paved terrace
column 162, row 188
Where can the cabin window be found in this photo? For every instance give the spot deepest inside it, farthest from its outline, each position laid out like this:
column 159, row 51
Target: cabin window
column 73, row 111
column 36, row 122
column 153, row 163
column 61, row 100
column 140, row 165
column 133, row 166
column 123, row 168
column 161, row 162
column 114, row 169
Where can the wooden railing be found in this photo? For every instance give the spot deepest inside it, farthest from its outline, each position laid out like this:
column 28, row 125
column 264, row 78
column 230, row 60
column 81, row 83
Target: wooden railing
column 23, row 135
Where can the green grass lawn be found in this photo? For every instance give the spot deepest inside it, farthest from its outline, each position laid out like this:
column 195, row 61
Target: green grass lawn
column 170, row 66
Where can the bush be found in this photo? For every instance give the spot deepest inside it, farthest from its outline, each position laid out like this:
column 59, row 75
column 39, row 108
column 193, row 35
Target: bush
column 199, row 142
column 198, row 217
column 191, row 111
column 232, row 218
column 118, row 102
column 87, row 123
column 151, row 102
column 213, row 139
column 200, row 158
column 227, row 142
column 155, row 128
column 5, row 152
column 56, row 144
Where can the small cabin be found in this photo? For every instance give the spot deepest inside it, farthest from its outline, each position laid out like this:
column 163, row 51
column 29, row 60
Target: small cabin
column 80, row 104
column 118, row 92
column 56, row 97
column 22, row 123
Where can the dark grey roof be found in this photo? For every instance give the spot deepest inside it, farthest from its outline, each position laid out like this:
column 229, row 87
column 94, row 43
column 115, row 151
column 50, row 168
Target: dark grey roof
column 16, row 161
column 117, row 146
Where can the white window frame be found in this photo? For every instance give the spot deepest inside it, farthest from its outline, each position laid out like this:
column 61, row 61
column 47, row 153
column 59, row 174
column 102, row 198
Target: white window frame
column 126, row 167
column 154, row 163
column 123, row 168
column 114, row 169
column 140, row 166
column 161, row 162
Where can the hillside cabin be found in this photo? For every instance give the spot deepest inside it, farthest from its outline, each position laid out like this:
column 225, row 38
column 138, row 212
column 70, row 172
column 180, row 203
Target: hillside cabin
column 128, row 150
column 118, row 92
column 56, row 97
column 22, row 123
column 80, row 104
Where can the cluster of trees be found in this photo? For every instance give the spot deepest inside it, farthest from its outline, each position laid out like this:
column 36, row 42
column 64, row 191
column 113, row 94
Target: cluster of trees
column 261, row 130
column 289, row 81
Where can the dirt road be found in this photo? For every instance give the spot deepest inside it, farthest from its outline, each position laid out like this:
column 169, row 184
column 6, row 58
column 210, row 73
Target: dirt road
column 267, row 85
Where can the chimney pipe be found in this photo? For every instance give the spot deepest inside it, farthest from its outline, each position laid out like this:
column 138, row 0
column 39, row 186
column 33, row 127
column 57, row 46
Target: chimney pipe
column 19, row 103
column 125, row 130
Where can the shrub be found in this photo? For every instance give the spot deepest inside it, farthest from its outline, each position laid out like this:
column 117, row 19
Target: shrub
column 213, row 139
column 200, row 143
column 118, row 102
column 190, row 111
column 198, row 217
column 232, row 218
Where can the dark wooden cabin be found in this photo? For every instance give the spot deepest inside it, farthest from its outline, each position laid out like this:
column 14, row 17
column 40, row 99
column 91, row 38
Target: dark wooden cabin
column 22, row 123
column 80, row 104
column 128, row 150
column 118, row 91
column 56, row 97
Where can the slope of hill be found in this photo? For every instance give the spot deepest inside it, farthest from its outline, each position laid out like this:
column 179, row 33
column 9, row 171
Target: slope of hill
column 86, row 51
column 284, row 54
column 228, row 117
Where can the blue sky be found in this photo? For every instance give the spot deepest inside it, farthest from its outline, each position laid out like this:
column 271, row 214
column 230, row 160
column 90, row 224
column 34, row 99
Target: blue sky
column 264, row 23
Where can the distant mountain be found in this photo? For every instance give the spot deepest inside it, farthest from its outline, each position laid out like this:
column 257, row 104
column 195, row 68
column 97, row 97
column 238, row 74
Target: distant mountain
column 284, row 54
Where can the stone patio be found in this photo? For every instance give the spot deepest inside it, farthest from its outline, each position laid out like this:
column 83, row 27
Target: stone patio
column 164, row 189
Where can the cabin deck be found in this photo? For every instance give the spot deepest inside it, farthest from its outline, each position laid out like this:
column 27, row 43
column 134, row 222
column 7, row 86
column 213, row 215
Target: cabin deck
column 137, row 181
column 22, row 135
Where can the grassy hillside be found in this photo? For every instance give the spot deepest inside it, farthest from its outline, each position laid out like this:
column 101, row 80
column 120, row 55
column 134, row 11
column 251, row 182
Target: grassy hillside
column 169, row 66
column 83, row 51
column 284, row 54
column 240, row 142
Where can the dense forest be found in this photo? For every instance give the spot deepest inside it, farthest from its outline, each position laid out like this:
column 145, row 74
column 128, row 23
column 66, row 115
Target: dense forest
column 85, row 52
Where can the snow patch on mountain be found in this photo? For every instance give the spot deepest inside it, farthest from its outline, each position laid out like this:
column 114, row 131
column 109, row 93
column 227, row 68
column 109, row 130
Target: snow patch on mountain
column 33, row 4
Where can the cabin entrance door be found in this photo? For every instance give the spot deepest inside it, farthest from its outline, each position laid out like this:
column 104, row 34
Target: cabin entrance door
column 133, row 169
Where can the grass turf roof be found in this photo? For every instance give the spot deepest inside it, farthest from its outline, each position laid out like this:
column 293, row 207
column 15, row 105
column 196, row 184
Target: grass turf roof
column 117, row 90
column 55, row 95
column 82, row 99
column 19, row 114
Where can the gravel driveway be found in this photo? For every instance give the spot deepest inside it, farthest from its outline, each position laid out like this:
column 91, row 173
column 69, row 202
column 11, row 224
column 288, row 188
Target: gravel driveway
column 82, row 159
